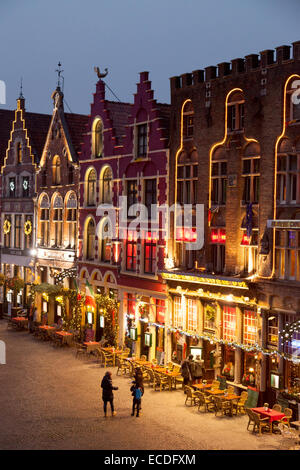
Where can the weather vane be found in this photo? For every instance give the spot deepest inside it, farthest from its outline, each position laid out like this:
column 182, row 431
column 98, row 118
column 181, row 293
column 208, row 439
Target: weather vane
column 99, row 74
column 59, row 72
column 21, row 88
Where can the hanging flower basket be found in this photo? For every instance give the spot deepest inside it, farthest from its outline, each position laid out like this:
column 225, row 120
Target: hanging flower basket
column 15, row 284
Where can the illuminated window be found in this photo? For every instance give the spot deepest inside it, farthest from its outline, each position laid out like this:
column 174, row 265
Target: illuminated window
column 90, row 240
column 25, row 186
column 192, row 316
column 91, row 188
column 288, row 179
column 106, row 186
column 12, row 187
column 188, row 121
column 131, row 251
column 56, row 171
column 177, row 313
column 273, row 330
column 18, row 230
column 44, row 221
column 105, row 241
column 71, row 220
column 150, row 255
column 97, row 138
column 250, row 249
column 250, row 327
column 7, row 236
column 287, row 254
column 250, row 175
column 219, row 183
column 218, row 240
column 229, row 323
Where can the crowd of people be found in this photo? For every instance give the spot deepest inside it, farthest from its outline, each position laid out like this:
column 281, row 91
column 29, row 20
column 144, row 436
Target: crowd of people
column 192, row 371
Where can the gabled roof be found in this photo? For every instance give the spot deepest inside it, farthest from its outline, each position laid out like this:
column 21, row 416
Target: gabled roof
column 37, row 126
column 119, row 113
column 77, row 126
column 165, row 111
column 6, row 119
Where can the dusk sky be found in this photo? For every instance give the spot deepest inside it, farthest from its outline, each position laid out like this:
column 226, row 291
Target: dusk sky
column 165, row 37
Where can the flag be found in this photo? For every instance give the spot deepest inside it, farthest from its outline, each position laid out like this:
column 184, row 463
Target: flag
column 89, row 295
column 249, row 216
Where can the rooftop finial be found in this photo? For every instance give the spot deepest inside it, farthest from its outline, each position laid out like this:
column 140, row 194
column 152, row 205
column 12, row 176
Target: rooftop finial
column 99, row 74
column 59, row 77
column 21, row 88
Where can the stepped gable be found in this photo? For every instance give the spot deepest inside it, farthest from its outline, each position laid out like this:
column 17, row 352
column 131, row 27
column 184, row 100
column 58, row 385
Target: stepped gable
column 118, row 114
column 37, row 126
column 6, row 119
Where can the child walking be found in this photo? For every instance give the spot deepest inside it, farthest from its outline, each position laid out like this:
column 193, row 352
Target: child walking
column 137, row 391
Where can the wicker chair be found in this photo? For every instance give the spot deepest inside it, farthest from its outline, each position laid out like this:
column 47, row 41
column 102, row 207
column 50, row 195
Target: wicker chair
column 160, row 381
column 81, row 351
column 222, row 406
column 170, row 366
column 215, row 385
column 251, row 421
column 276, row 407
column 154, row 362
column 288, row 416
column 289, row 437
column 205, row 402
column 260, row 423
column 151, row 378
column 122, row 366
column 190, row 396
column 106, row 359
column 241, row 403
column 230, row 389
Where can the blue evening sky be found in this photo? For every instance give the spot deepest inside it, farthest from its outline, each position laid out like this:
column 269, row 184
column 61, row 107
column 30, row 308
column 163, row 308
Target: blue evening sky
column 165, row 37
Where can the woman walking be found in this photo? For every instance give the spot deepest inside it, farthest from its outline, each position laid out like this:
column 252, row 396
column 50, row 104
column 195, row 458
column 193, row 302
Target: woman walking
column 107, row 393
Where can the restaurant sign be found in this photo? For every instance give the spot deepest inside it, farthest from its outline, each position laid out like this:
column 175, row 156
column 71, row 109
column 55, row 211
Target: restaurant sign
column 288, row 224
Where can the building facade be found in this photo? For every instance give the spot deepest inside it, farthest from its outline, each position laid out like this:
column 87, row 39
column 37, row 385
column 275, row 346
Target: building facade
column 57, row 203
column 125, row 154
column 18, row 193
column 234, row 150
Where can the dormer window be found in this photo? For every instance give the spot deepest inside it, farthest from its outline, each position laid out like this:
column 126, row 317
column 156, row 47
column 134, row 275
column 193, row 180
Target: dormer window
column 25, row 186
column 12, row 187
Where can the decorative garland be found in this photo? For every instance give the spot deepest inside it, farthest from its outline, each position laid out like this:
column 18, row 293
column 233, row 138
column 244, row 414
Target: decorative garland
column 6, row 226
column 27, row 227
column 213, row 339
column 289, row 330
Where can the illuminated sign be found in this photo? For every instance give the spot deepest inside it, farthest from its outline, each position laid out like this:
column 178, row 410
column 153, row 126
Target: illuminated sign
column 284, row 224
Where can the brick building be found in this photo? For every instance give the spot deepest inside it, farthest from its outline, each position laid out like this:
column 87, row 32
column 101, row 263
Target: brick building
column 235, row 149
column 125, row 154
column 57, row 201
column 21, row 150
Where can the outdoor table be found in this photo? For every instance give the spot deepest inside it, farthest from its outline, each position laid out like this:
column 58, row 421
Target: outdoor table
column 46, row 330
column 201, row 386
column 46, row 327
column 91, row 345
column 273, row 415
column 171, row 375
column 65, row 336
column 215, row 392
column 114, row 352
column 21, row 322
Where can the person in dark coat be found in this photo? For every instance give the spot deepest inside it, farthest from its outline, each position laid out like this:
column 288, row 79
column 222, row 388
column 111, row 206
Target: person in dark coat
column 186, row 370
column 137, row 391
column 138, row 376
column 107, row 393
column 198, row 369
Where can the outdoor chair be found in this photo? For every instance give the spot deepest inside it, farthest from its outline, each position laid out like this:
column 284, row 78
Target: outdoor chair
column 121, row 366
column 143, row 357
column 260, row 423
column 154, row 362
column 276, row 407
column 222, row 406
column 215, row 385
column 230, row 389
column 160, row 381
column 190, row 396
column 205, row 402
column 251, row 421
column 151, row 377
column 81, row 351
column 170, row 366
column 288, row 416
column 241, row 404
column 178, row 380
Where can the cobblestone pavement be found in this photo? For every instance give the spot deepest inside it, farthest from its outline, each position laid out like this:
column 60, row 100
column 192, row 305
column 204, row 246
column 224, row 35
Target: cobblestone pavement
column 51, row 400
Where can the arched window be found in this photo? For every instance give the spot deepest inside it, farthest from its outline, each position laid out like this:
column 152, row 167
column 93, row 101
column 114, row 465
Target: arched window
column 43, row 226
column 90, row 240
column 236, row 112
column 71, row 220
column 57, row 219
column 56, row 171
column 91, row 188
column 105, row 243
column 97, row 143
column 106, row 186
column 188, row 121
column 187, row 176
column 19, row 152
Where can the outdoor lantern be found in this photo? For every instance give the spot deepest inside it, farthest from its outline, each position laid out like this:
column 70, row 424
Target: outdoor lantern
column 90, row 318
column 148, row 339
column 133, row 333
column 101, row 321
column 45, row 306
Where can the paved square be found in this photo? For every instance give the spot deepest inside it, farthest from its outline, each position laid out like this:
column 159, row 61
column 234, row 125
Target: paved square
column 51, row 400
